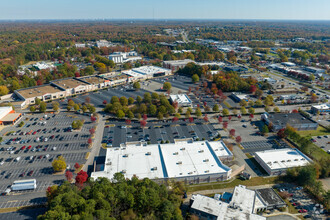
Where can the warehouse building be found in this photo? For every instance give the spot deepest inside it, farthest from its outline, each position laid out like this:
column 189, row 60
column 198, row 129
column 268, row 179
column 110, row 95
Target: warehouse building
column 175, row 65
column 295, row 120
column 184, row 160
column 182, row 100
column 276, row 162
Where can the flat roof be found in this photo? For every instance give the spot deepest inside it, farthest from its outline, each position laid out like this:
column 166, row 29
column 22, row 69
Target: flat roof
column 92, row 79
column 149, row 70
column 38, row 91
column 179, row 62
column 180, row 159
column 270, row 197
column 68, row 83
column 11, row 117
column 324, row 106
column 283, row 158
column 208, row 205
column 288, row 118
column 180, row 98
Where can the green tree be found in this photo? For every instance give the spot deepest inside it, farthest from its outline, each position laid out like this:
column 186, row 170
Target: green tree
column 152, row 110
column 147, row 97
column 160, row 116
column 59, row 164
column 77, row 124
column 136, row 86
column 76, row 107
column 123, row 101
column 243, row 103
column 32, row 109
column 3, row 90
column 198, row 112
column 42, row 107
column 130, row 115
column 251, row 110
column 225, row 112
column 195, row 78
column 130, row 100
column 265, row 129
column 37, row 101
column 258, row 103
column 138, row 99
column 167, row 86
column 216, row 108
column 120, row 114
column 243, row 111
column 277, row 109
column 114, row 99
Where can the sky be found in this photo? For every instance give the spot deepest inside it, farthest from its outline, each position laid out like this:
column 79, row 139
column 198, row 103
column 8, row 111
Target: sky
column 166, row 9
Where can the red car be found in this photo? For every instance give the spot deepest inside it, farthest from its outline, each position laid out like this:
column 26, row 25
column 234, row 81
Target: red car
column 294, row 204
column 29, row 147
column 30, row 173
column 302, row 210
column 22, row 148
column 34, row 133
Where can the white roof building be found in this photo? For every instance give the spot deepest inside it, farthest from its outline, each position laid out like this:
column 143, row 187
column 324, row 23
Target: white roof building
column 181, row 99
column 321, row 108
column 276, row 162
column 183, row 160
column 146, row 72
column 243, row 205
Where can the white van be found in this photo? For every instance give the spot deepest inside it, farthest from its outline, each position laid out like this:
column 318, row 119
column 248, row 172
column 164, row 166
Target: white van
column 18, row 158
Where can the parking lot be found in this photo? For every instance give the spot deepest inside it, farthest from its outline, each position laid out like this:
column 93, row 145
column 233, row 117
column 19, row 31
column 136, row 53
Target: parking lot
column 116, row 133
column 303, row 202
column 27, row 152
column 323, row 142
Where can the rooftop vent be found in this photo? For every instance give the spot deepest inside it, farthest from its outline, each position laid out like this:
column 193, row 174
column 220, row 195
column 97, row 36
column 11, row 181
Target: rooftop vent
column 183, row 148
column 154, row 168
column 175, row 153
column 207, row 171
column 179, row 163
column 125, row 155
column 206, row 160
column 201, row 151
column 148, row 153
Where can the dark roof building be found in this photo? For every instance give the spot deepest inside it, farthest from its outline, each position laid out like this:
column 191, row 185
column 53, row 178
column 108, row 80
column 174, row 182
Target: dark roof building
column 281, row 120
column 270, row 198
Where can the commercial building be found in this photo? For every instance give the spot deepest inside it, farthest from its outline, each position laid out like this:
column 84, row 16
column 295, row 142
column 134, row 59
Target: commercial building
column 182, row 100
column 239, row 97
column 276, row 162
column 8, row 116
column 71, row 86
column 295, row 120
column 314, row 70
column 321, row 108
column 146, row 72
column 292, row 90
column 184, row 160
column 95, row 82
column 119, row 79
column 270, row 198
column 244, row 204
column 123, row 57
column 289, row 64
column 175, row 65
column 43, row 92
column 103, row 43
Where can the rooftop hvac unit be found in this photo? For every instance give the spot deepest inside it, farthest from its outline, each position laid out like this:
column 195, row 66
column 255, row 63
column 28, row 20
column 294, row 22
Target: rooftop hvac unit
column 175, row 153
column 302, row 158
column 148, row 153
column 201, row 151
column 123, row 171
column 190, row 173
column 154, row 168
column 179, row 162
column 282, row 161
column 207, row 171
column 295, row 159
column 275, row 161
column 125, row 155
column 288, row 161
column 206, row 160
column 183, row 148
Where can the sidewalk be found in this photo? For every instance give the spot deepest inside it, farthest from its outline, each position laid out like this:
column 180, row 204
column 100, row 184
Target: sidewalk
column 96, row 142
